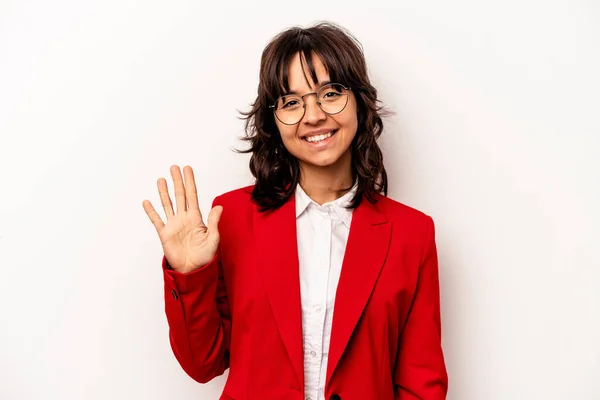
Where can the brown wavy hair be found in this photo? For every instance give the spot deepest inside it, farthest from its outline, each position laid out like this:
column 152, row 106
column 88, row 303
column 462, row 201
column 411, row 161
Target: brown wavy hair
column 277, row 172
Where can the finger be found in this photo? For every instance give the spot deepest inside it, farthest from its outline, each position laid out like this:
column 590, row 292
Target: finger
column 191, row 193
column 179, row 188
column 153, row 215
column 163, row 192
column 214, row 216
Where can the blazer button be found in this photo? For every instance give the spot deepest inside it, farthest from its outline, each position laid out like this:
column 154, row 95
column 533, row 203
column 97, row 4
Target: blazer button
column 174, row 293
column 335, row 397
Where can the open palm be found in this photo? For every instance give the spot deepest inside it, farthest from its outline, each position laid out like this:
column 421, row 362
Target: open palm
column 188, row 243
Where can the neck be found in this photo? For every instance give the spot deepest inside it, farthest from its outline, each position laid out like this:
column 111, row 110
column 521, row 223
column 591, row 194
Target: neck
column 324, row 184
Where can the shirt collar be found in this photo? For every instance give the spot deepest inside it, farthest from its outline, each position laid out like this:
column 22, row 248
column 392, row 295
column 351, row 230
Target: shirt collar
column 338, row 205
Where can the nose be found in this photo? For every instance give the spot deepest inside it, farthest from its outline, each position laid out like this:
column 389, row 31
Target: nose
column 313, row 113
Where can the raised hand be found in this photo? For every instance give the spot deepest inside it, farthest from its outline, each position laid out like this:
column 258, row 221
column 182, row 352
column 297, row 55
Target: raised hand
column 187, row 242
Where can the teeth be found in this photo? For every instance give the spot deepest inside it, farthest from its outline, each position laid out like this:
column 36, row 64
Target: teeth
column 318, row 138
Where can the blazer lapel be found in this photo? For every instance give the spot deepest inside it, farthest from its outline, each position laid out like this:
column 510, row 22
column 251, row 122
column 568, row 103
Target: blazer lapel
column 278, row 263
column 366, row 250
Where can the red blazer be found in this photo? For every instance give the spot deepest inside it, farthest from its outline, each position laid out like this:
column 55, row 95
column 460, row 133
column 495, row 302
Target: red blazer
column 242, row 310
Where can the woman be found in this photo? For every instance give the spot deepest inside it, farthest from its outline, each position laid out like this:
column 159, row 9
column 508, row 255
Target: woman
column 311, row 283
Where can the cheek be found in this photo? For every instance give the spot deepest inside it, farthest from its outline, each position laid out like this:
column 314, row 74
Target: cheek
column 349, row 117
column 352, row 124
column 288, row 133
column 285, row 131
column 349, row 122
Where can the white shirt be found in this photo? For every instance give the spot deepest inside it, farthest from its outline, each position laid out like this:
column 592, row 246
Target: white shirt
column 322, row 233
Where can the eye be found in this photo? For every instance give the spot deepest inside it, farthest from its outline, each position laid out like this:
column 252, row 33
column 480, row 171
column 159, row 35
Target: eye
column 331, row 93
column 290, row 103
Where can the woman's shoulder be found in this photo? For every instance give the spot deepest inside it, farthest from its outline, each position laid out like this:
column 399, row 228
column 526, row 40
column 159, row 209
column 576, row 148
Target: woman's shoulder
column 238, row 196
column 410, row 223
column 396, row 210
column 241, row 192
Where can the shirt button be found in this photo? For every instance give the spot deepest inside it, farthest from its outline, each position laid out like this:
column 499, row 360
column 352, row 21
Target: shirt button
column 313, row 353
column 318, row 309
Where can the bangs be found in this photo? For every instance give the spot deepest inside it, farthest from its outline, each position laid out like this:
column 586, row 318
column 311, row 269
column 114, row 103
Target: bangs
column 309, row 46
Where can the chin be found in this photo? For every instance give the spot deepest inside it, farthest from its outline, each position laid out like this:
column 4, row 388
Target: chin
column 323, row 162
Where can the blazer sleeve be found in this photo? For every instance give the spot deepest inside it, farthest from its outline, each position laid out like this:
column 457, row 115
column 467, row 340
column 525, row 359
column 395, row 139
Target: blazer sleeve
column 420, row 371
column 199, row 319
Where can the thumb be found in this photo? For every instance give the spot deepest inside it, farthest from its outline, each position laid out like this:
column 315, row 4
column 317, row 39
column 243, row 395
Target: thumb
column 214, row 217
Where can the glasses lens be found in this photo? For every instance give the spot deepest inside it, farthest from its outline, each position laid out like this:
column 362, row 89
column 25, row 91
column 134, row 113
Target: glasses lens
column 333, row 98
column 289, row 109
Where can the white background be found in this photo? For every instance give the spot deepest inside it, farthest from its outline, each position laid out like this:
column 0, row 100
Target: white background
column 496, row 136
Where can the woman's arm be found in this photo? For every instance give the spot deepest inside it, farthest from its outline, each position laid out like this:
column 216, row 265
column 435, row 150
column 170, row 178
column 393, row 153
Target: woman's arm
column 420, row 371
column 199, row 319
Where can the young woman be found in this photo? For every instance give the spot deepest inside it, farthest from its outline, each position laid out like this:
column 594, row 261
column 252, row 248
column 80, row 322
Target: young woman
column 311, row 283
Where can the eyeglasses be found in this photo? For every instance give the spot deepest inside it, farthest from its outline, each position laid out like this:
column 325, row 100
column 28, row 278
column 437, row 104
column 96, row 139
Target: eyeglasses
column 331, row 98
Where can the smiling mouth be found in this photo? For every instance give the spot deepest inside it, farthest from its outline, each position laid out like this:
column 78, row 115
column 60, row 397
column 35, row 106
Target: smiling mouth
column 319, row 138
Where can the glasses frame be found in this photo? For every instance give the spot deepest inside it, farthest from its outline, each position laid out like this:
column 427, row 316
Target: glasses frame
column 274, row 105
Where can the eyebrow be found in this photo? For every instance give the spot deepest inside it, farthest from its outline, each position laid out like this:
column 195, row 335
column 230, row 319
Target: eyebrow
column 321, row 84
